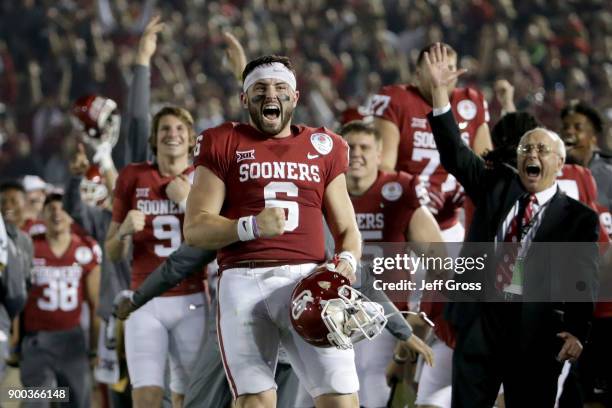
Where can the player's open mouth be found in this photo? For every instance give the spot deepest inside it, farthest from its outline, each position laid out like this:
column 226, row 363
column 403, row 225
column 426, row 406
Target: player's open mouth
column 533, row 170
column 271, row 112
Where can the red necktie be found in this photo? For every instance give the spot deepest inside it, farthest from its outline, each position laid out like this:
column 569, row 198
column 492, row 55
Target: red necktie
column 512, row 240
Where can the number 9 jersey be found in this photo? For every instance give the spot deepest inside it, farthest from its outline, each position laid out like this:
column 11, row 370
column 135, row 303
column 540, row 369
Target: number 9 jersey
column 140, row 186
column 259, row 171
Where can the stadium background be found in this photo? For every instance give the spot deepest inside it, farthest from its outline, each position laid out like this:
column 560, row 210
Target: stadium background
column 51, row 52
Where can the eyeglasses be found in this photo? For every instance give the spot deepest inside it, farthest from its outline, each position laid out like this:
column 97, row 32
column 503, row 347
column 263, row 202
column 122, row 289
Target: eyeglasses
column 541, row 148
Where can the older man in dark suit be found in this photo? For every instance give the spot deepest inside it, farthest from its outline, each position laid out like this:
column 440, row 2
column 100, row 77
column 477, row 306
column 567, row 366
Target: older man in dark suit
column 534, row 309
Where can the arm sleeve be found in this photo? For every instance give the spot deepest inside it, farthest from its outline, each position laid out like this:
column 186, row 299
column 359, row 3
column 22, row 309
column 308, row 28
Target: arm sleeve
column 456, row 157
column 338, row 161
column 16, row 274
column 580, row 282
column 135, row 127
column 122, row 191
column 88, row 217
column 139, row 126
column 14, row 279
column 183, row 262
column 213, row 152
column 397, row 325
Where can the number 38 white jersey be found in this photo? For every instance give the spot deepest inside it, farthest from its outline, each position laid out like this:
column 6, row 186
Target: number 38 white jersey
column 56, row 295
column 290, row 173
column 140, row 186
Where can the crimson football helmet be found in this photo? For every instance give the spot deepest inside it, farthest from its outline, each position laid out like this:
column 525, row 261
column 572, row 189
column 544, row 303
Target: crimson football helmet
column 93, row 188
column 326, row 311
column 98, row 119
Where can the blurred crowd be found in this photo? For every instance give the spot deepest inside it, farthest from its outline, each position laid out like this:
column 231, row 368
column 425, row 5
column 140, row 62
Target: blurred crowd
column 53, row 51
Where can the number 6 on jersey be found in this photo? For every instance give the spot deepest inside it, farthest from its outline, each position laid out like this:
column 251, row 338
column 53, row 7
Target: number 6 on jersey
column 291, row 190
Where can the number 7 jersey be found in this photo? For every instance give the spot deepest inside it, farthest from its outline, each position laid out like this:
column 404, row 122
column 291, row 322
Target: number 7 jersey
column 291, row 173
column 140, row 186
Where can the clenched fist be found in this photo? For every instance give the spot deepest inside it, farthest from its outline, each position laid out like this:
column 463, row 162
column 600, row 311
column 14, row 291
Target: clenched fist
column 123, row 305
column 271, row 222
column 178, row 189
column 134, row 222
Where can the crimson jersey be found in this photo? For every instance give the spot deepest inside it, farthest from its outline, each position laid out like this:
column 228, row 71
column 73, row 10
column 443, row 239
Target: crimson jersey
column 56, row 295
column 290, row 173
column 384, row 212
column 140, row 186
column 417, row 152
column 578, row 182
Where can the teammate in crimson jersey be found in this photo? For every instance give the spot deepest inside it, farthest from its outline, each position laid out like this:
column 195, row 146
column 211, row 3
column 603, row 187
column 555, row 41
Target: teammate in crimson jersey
column 65, row 273
column 148, row 210
column 259, row 195
column 387, row 209
column 400, row 115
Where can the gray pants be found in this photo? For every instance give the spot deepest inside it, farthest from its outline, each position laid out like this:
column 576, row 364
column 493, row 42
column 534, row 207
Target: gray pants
column 57, row 359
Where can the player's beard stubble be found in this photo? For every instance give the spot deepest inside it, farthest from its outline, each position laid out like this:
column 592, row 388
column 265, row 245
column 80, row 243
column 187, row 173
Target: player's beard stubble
column 256, row 104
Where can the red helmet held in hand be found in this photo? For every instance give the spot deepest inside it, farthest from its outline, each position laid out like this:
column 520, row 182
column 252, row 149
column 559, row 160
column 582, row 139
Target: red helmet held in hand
column 326, row 311
column 98, row 118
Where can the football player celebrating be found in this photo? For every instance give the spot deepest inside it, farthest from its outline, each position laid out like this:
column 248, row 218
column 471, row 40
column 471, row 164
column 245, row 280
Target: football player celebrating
column 148, row 209
column 65, row 273
column 387, row 209
column 400, row 117
column 259, row 196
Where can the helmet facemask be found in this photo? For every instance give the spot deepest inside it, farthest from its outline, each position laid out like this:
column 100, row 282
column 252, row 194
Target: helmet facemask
column 351, row 318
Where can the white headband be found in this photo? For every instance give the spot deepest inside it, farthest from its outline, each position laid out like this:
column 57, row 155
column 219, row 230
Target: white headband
column 275, row 70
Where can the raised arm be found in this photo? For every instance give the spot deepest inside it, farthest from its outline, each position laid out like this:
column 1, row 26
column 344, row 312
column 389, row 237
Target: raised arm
column 135, row 132
column 456, row 157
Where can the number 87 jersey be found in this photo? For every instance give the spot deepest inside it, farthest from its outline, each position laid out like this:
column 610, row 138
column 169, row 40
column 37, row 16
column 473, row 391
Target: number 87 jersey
column 140, row 186
column 259, row 171
column 417, row 153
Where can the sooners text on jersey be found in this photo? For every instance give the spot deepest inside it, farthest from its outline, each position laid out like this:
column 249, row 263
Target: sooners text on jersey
column 291, row 173
column 56, row 296
column 140, row 186
column 384, row 212
column 417, row 152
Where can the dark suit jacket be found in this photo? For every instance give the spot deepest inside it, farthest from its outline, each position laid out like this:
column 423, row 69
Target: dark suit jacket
column 560, row 276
